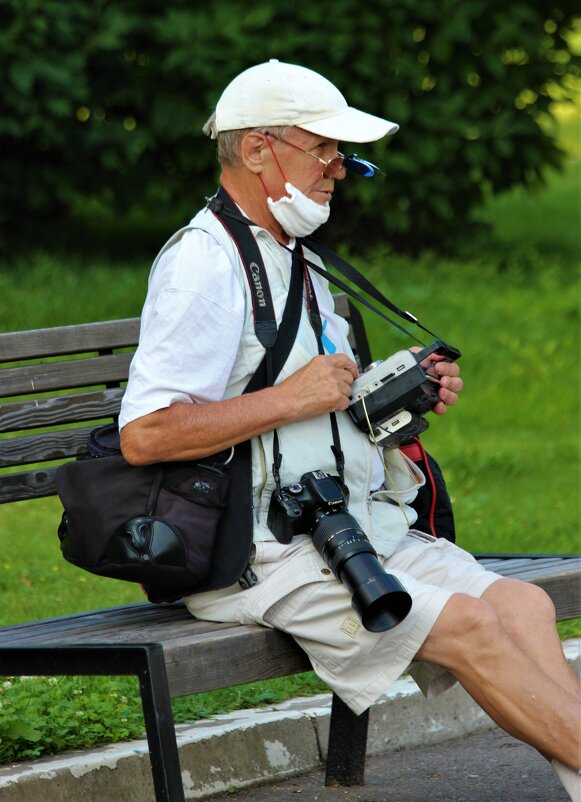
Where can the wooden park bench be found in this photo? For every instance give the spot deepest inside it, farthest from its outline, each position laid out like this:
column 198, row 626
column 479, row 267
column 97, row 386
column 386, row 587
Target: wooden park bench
column 56, row 385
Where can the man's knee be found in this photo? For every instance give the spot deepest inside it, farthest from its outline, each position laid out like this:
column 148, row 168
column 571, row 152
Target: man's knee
column 521, row 602
column 466, row 628
column 538, row 602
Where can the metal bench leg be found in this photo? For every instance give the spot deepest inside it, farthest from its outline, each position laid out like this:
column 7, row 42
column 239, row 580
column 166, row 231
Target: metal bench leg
column 347, row 745
column 159, row 725
column 146, row 661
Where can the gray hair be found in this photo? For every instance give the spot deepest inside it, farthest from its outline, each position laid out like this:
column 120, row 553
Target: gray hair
column 230, row 142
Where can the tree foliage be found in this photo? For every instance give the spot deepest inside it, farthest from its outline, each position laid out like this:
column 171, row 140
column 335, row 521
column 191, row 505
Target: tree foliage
column 104, row 101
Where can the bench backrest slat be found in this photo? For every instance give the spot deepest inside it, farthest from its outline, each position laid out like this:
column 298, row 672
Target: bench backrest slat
column 39, row 343
column 45, row 447
column 64, row 375
column 22, row 486
column 37, row 412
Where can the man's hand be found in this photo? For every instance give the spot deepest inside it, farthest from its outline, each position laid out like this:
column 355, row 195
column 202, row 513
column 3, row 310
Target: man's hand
column 450, row 381
column 322, row 385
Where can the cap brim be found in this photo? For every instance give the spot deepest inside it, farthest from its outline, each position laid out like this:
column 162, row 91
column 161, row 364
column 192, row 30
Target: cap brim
column 350, row 125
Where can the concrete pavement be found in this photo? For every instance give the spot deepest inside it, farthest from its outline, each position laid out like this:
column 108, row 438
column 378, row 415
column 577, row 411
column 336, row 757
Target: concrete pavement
column 487, row 767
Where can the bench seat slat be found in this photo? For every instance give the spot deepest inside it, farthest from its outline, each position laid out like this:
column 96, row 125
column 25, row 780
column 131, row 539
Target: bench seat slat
column 76, row 339
column 514, row 562
column 522, row 568
column 565, row 593
column 136, row 611
column 249, row 654
column 531, row 572
column 166, row 631
column 63, row 375
column 38, row 412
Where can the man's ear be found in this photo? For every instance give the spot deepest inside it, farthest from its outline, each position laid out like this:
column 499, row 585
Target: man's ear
column 251, row 152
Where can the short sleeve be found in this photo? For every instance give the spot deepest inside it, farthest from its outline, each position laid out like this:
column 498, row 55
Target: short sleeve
column 191, row 326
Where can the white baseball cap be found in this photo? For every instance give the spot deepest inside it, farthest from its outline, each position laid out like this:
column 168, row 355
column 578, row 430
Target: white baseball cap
column 275, row 93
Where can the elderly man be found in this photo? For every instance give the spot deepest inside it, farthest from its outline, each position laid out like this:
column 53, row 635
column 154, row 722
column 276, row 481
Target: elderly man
column 278, row 128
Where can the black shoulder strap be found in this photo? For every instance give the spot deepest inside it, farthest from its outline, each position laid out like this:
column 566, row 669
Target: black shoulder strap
column 262, row 306
column 287, row 332
column 278, row 342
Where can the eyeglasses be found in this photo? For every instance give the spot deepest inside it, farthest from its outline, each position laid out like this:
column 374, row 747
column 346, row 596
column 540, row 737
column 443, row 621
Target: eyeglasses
column 335, row 166
column 331, row 167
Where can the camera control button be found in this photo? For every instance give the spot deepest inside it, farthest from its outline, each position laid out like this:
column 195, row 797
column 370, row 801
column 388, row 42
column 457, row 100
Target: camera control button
column 295, row 488
column 325, row 571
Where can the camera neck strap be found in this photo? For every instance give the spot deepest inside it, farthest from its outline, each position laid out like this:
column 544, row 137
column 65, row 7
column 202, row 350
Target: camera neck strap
column 216, row 203
column 317, row 325
column 277, row 342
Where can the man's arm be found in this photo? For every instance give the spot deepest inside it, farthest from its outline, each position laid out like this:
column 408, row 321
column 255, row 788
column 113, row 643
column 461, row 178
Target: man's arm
column 189, row 431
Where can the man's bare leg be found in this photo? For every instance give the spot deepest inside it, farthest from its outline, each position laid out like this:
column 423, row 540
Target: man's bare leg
column 471, row 641
column 528, row 616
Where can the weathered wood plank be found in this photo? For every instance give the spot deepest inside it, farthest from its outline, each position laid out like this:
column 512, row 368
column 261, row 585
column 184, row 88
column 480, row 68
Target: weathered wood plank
column 55, row 445
column 38, row 412
column 179, row 627
column 516, row 563
column 64, row 375
column 525, row 566
column 69, row 339
column 219, row 660
column 534, row 572
column 22, row 486
column 565, row 592
column 125, row 614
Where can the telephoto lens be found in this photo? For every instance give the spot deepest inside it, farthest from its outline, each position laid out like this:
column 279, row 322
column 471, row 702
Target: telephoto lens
column 379, row 598
column 318, row 505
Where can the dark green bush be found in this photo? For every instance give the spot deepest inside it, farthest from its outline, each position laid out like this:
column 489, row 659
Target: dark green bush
column 102, row 104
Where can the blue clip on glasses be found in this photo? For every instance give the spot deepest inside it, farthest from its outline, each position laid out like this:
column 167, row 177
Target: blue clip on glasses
column 356, row 164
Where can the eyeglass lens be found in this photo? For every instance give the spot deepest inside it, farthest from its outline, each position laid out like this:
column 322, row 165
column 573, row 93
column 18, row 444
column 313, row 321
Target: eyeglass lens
column 333, row 167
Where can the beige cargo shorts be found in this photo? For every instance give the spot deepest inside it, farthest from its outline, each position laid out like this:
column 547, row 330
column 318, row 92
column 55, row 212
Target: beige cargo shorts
column 298, row 594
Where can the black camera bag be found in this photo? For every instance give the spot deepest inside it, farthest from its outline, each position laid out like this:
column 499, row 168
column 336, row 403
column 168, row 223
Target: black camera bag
column 155, row 524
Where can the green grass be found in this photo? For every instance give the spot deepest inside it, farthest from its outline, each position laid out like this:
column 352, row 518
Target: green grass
column 510, row 449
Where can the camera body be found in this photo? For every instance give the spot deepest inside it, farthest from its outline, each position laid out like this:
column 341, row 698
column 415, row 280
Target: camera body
column 317, row 505
column 394, row 394
column 297, row 508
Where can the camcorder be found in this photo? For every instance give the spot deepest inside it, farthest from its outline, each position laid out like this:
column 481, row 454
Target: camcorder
column 317, row 505
column 389, row 399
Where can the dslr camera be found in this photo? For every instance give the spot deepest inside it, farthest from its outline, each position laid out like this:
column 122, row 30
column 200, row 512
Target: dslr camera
column 317, row 505
column 392, row 396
